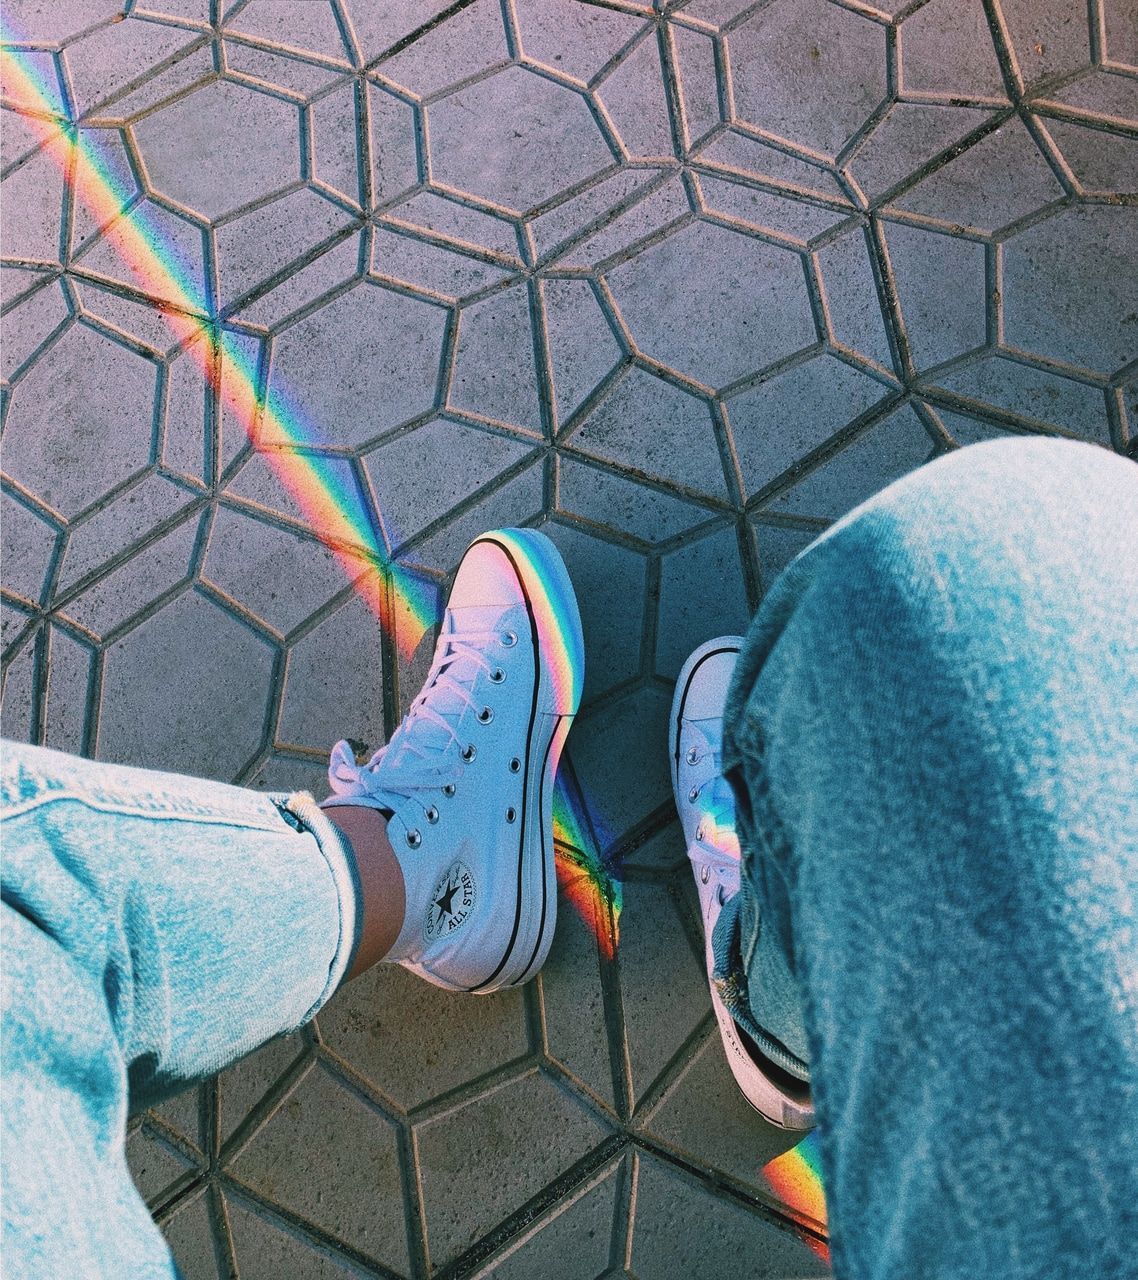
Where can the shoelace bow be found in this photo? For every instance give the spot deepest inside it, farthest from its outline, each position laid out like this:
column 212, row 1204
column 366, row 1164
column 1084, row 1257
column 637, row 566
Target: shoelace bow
column 420, row 755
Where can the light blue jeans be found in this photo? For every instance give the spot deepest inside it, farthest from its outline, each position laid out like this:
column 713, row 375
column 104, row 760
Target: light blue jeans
column 932, row 735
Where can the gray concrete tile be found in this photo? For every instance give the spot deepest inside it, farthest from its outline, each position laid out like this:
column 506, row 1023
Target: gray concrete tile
column 1101, row 161
column 268, row 240
column 377, row 29
column 906, row 139
column 701, row 595
column 162, row 682
column 573, row 1242
column 82, row 389
column 756, row 208
column 473, row 41
column 699, row 92
column 246, row 1087
column 183, row 256
column 622, row 505
column 809, row 73
column 683, row 1229
column 450, row 462
column 56, row 20
column 573, row 39
column 318, row 1109
column 495, row 376
column 1048, row 36
column 633, row 97
column 852, row 299
column 778, row 422
column 378, row 362
column 268, row 1247
column 601, row 203
column 297, row 77
column 28, row 325
column 156, row 1167
column 458, row 1041
column 221, row 147
column 109, row 60
column 297, row 24
column 652, row 427
column 635, row 222
column 189, row 1233
column 883, row 454
column 740, row 279
column 1093, row 325
column 740, row 151
column 583, row 348
column 939, row 324
column 612, row 604
column 469, row 1187
column 449, row 274
column 68, row 688
column 36, row 189
column 487, row 140
column 994, row 182
column 28, row 543
column 947, row 49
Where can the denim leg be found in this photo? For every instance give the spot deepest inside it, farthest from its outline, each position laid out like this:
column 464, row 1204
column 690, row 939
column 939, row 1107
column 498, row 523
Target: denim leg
column 156, row 928
column 933, row 736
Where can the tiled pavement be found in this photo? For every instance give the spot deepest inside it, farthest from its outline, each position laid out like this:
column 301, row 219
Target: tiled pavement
column 681, row 286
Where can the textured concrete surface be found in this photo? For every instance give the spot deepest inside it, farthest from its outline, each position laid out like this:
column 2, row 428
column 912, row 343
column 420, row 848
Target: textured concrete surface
column 682, row 285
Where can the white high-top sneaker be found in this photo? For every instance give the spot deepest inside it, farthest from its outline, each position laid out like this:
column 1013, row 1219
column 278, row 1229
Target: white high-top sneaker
column 468, row 776
column 766, row 1074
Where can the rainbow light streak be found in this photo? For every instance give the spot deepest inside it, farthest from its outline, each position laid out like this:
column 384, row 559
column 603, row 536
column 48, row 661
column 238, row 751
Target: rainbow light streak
column 584, row 880
column 795, row 1178
column 335, row 510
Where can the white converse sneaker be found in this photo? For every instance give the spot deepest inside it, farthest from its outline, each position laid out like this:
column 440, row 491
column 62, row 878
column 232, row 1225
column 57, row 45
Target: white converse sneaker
column 468, row 776
column 765, row 1073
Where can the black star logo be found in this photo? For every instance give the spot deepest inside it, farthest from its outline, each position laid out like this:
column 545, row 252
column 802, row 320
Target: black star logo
column 444, row 900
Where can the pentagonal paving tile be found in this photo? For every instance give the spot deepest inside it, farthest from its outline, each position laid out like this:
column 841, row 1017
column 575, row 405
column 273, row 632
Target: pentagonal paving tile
column 721, row 334
column 592, row 493
column 325, row 700
column 188, row 665
column 1093, row 326
column 939, row 324
column 780, row 421
column 220, row 147
column 458, row 1040
column 583, row 348
column 35, row 187
column 881, row 455
column 1102, row 162
column 112, row 60
column 433, row 56
column 420, row 475
column 808, row 72
column 268, row 1245
column 318, row 1114
column 996, row 181
column 494, row 369
column 155, row 568
column 574, row 39
column 908, row 138
column 507, row 122
column 684, row 1229
column 573, row 1241
column 849, row 284
column 83, row 389
column 654, row 428
column 70, row 669
column 948, row 50
column 634, row 99
column 362, row 363
column 29, row 324
column 471, row 1183
column 28, row 543
column 189, row 1233
column 1048, row 36
column 1032, row 393
column 634, row 727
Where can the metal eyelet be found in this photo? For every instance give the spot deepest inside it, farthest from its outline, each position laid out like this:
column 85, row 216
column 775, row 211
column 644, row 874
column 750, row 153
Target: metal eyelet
column 515, row 765
column 468, row 752
column 704, row 875
column 414, row 839
column 693, row 756
column 449, row 789
column 693, row 794
column 485, row 715
column 509, row 639
column 511, row 814
column 432, row 815
column 497, row 676
column 699, row 833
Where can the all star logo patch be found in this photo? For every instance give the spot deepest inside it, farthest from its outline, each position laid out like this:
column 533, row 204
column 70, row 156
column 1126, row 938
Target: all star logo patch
column 451, row 903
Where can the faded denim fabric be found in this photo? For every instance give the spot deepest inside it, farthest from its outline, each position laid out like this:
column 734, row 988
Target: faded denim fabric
column 155, row 929
column 932, row 736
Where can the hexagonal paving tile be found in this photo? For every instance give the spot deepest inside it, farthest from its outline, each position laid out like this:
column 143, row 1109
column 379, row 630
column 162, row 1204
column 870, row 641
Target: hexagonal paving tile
column 718, row 335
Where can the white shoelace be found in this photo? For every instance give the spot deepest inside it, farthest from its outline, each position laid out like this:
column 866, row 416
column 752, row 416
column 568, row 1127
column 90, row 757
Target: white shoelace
column 425, row 752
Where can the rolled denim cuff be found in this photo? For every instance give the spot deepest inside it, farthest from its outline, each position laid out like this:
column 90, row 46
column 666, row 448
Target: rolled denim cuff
column 300, row 810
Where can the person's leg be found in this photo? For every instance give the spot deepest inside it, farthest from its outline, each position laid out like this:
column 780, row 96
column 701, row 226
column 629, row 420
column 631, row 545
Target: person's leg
column 932, row 734
column 158, row 927
column 155, row 929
